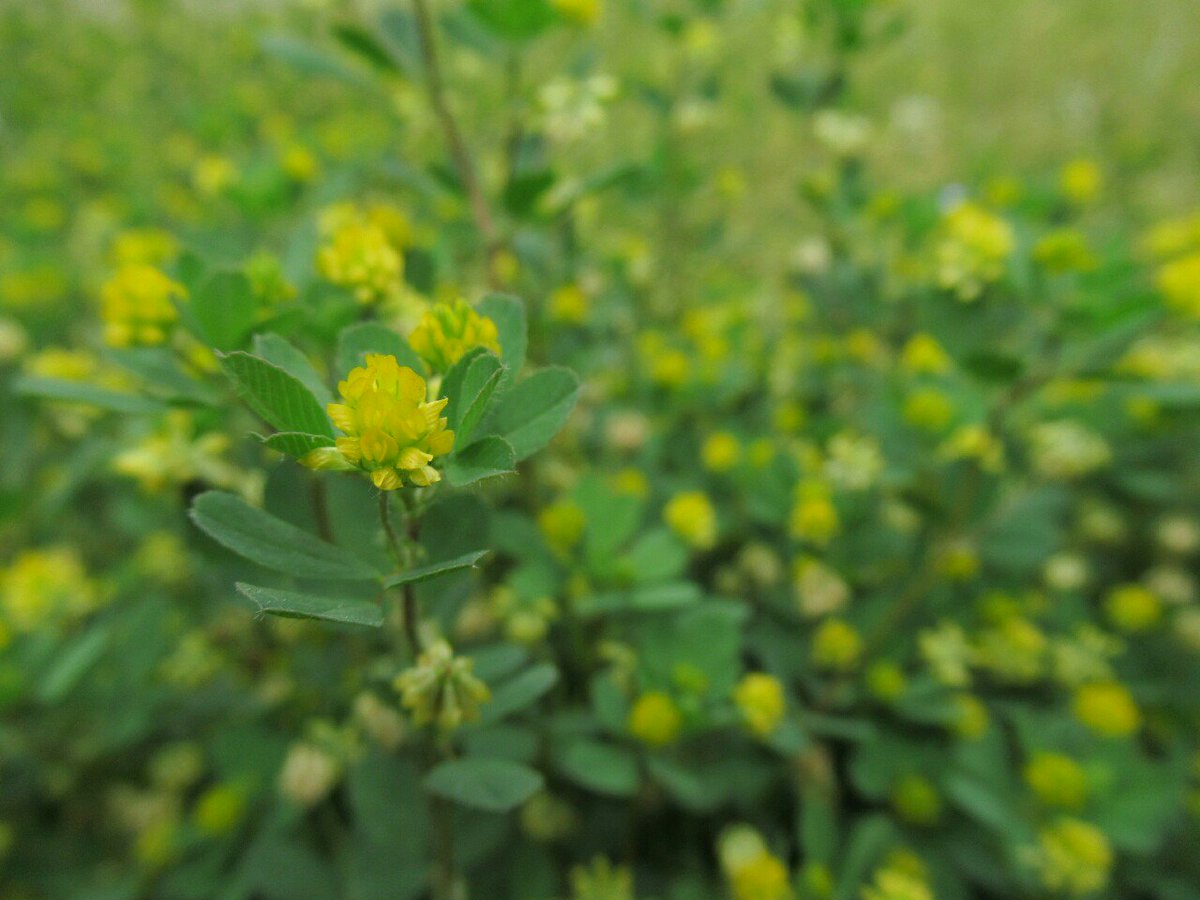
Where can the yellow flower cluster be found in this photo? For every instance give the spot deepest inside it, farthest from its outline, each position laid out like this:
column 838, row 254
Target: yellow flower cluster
column 761, row 701
column 972, row 251
column 391, row 432
column 655, row 719
column 1107, row 708
column 363, row 250
column 42, row 587
column 138, row 306
column 562, row 525
column 448, row 331
column 897, row 883
column 441, row 689
column 754, row 872
column 814, row 517
column 1056, row 780
column 836, row 646
column 691, row 516
column 173, row 454
column 1074, row 857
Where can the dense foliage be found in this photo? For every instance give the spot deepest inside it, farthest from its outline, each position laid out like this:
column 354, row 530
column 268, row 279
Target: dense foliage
column 451, row 451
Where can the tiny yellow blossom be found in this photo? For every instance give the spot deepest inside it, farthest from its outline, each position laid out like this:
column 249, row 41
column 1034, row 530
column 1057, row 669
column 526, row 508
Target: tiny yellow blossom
column 569, row 304
column 391, row 432
column 448, row 331
column 836, row 646
column 1081, row 180
column 44, row 586
column 562, row 525
column 923, row 355
column 928, row 409
column 655, row 719
column 580, row 12
column 691, row 516
column 1064, row 250
column 138, row 306
column 761, row 700
column 1133, row 607
column 1056, row 780
column 359, row 255
column 219, row 809
column 721, row 452
column 1179, row 283
column 814, row 517
column 754, row 872
column 1074, row 857
column 1107, row 708
column 916, row 800
column 973, row 250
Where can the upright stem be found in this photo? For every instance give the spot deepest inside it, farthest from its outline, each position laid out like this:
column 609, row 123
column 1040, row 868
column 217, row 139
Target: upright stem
column 412, row 634
column 463, row 163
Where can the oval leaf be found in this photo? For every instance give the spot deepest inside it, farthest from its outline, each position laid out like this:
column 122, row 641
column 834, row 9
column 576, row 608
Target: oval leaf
column 275, row 395
column 495, row 785
column 530, row 414
column 305, row 606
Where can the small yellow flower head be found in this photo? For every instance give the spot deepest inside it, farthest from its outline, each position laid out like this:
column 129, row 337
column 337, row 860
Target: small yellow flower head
column 1056, row 780
column 721, row 452
column 562, row 525
column 973, row 250
column 1107, row 708
column 1074, row 857
column 1064, row 250
column 836, row 646
column 928, row 409
column 819, row 589
column 309, row 773
column 814, row 517
column 358, row 256
column 43, row 587
column 1067, row 449
column 1179, row 283
column 754, row 872
column 916, row 800
column 976, row 443
column 299, row 163
column 138, row 306
column 1014, row 650
column 1132, row 607
column 691, row 516
column 601, row 880
column 957, row 560
column 762, row 703
column 448, row 331
column 897, row 883
column 1080, row 181
column 655, row 719
column 441, row 689
column 923, row 355
column 219, row 809
column 569, row 305
column 391, row 432
column 147, row 246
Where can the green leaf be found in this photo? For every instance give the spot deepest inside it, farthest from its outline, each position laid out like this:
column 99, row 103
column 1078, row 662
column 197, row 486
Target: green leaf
column 519, row 692
column 603, row 768
column 356, row 341
column 310, row 60
column 272, row 542
column 486, row 458
column 509, row 315
column 162, row 376
column 470, row 385
column 514, row 19
column 275, row 395
column 292, row 360
column 87, row 394
column 72, row 664
column 495, row 785
column 870, row 840
column 433, row 570
column 305, row 606
column 533, row 411
column 225, row 309
column 366, row 47
column 295, row 443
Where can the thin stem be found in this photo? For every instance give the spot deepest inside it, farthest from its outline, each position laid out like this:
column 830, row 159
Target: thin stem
column 442, row 814
column 320, row 504
column 461, row 155
column 393, row 539
column 412, row 634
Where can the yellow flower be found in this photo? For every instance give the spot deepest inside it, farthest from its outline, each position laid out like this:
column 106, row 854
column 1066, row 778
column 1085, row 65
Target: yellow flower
column 1081, row 180
column 562, row 525
column 219, row 808
column 569, row 304
column 923, row 355
column 971, row 721
column 1132, row 607
column 173, row 454
column 928, row 409
column 754, row 872
column 448, row 331
column 1179, row 283
column 973, row 249
column 886, row 681
column 1107, row 708
column 977, row 443
column 761, row 700
column 581, row 12
column 814, row 517
column 601, row 880
column 691, row 516
column 895, row 883
column 137, row 306
column 298, row 163
column 42, row 586
column 1074, row 857
column 1056, row 780
column 148, row 246
column 358, row 256
column 655, row 719
column 836, row 646
column 390, row 430
column 721, row 452
column 441, row 689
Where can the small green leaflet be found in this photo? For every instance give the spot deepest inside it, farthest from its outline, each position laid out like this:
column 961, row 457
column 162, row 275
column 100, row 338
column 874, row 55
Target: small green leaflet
column 495, row 785
column 306, row 606
column 433, row 570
